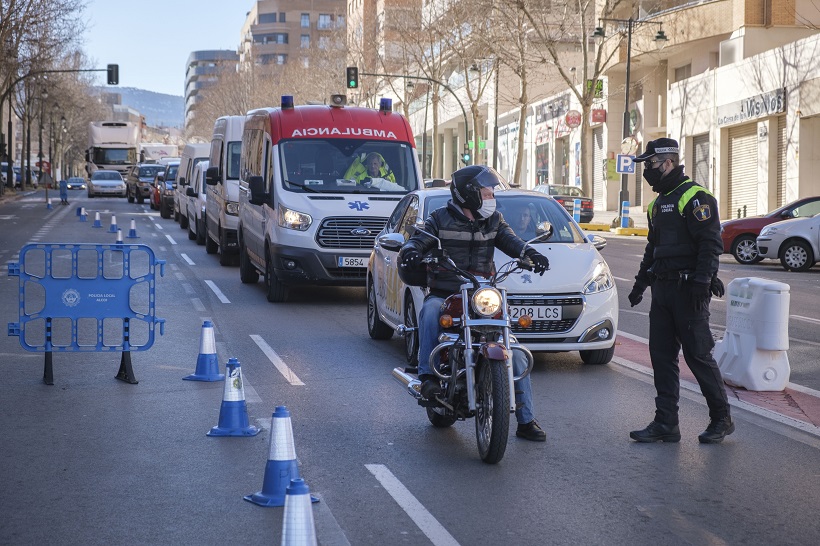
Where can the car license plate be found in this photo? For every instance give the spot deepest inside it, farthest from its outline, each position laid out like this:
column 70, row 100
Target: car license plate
column 538, row 312
column 352, row 262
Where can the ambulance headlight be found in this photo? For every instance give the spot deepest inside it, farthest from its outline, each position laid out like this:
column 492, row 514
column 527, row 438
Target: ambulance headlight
column 292, row 219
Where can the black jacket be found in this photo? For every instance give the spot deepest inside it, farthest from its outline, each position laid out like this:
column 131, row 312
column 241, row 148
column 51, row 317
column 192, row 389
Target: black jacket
column 469, row 243
column 684, row 231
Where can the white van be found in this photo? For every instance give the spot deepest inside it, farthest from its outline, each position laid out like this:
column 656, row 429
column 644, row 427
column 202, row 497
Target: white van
column 197, row 199
column 308, row 211
column 191, row 155
column 222, row 178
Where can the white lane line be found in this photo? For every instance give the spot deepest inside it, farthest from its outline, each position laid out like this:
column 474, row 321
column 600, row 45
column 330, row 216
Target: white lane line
column 418, row 513
column 187, row 259
column 197, row 303
column 170, row 239
column 622, row 279
column 218, row 292
column 808, row 319
column 179, row 276
column 159, row 227
column 286, row 372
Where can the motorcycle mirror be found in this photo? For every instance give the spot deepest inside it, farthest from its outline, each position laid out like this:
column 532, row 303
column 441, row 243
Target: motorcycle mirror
column 543, row 231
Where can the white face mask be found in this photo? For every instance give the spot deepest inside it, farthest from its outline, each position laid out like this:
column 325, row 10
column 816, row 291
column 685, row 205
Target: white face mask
column 487, row 208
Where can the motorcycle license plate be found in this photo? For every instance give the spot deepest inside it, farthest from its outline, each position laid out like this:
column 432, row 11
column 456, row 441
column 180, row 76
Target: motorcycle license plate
column 537, row 312
column 352, row 262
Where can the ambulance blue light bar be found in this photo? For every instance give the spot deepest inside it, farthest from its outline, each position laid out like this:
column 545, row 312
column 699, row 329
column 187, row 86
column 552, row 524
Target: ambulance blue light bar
column 386, row 105
column 287, row 102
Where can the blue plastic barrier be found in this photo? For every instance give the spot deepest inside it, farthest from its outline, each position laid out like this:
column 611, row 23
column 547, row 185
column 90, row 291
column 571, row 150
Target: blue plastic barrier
column 71, row 293
column 576, row 210
column 625, row 214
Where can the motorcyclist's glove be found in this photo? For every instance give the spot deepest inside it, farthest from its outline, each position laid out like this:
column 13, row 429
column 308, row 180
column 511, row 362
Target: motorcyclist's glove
column 539, row 261
column 636, row 296
column 716, row 287
column 411, row 258
column 701, row 293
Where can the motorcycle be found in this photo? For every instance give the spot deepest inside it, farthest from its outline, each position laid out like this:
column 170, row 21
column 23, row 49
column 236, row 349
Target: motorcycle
column 475, row 354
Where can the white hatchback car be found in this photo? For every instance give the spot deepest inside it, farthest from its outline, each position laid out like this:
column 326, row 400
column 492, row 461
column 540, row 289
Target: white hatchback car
column 795, row 241
column 106, row 183
column 574, row 304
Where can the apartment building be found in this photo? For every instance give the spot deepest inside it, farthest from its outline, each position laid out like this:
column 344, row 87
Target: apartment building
column 201, row 71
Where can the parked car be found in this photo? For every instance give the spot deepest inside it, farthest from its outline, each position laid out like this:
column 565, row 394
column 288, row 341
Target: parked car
column 191, row 155
column 107, row 183
column 76, row 183
column 739, row 235
column 139, row 179
column 195, row 193
column 566, row 196
column 166, row 192
column 436, row 183
column 574, row 305
column 795, row 241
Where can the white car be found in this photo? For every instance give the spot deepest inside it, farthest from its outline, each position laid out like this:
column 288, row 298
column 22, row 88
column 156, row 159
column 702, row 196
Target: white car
column 194, row 207
column 104, row 182
column 574, row 304
column 796, row 242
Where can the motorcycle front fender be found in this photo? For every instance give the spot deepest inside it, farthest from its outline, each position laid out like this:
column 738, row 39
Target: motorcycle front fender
column 493, row 351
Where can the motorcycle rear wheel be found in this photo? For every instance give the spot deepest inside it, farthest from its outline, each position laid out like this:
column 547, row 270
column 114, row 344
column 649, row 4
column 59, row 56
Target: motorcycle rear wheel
column 492, row 412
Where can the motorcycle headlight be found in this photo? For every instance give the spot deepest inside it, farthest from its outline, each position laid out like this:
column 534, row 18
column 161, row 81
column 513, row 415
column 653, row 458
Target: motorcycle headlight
column 601, row 279
column 232, row 208
column 486, row 301
column 292, row 219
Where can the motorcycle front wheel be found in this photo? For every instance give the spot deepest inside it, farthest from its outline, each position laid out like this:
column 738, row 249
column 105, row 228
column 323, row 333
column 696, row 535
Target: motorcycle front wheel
column 492, row 412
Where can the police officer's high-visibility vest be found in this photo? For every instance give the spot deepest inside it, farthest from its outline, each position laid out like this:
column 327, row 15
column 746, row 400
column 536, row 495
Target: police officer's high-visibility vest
column 672, row 238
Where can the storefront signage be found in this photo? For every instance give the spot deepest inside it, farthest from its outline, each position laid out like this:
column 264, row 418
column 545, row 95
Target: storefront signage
column 573, row 118
column 552, row 109
column 758, row 106
column 598, row 115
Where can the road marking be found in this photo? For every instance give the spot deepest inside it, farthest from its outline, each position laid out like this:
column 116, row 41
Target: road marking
column 197, row 303
column 159, row 227
column 809, row 319
column 170, row 239
column 622, row 279
column 218, row 292
column 187, row 259
column 418, row 513
column 286, row 372
column 188, row 288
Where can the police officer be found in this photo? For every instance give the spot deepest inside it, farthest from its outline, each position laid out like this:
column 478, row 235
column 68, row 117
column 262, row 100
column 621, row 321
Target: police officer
column 680, row 262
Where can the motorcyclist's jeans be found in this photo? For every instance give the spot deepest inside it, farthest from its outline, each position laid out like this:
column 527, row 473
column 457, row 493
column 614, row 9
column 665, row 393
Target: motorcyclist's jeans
column 429, row 330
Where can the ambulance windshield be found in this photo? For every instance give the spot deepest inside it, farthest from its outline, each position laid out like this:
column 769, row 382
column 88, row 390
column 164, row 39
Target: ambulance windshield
column 347, row 166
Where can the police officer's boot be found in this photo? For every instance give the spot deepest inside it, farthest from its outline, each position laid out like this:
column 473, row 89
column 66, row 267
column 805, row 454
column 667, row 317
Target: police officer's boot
column 656, row 432
column 717, row 430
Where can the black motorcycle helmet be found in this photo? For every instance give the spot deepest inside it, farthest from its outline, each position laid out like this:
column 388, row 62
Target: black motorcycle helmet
column 467, row 183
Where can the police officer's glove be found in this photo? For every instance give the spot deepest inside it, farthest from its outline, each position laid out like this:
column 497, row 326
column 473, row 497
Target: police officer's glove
column 539, row 261
column 411, row 258
column 636, row 296
column 717, row 287
column 700, row 293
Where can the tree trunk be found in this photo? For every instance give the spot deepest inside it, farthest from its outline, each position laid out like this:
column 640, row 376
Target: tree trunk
column 523, row 100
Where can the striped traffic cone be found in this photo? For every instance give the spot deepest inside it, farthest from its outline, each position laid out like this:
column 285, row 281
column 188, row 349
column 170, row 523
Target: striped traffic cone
column 298, row 528
column 207, row 364
column 83, row 215
column 119, row 237
column 233, row 414
column 132, row 233
column 97, row 222
column 113, row 227
column 281, row 466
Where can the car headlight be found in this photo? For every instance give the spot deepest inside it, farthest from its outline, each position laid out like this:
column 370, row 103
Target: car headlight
column 232, row 208
column 768, row 230
column 486, row 301
column 601, row 279
column 168, row 192
column 292, row 219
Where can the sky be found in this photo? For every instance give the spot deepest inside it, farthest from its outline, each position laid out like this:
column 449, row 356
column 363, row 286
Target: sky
column 152, row 39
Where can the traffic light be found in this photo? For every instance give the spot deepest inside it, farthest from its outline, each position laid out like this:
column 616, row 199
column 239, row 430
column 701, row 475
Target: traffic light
column 113, row 74
column 465, row 157
column 352, row 77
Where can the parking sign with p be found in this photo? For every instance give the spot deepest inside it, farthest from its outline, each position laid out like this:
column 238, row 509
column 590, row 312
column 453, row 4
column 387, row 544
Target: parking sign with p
column 625, row 165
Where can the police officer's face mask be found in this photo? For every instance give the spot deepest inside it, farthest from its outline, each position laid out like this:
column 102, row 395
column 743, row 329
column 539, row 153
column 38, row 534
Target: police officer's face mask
column 653, row 173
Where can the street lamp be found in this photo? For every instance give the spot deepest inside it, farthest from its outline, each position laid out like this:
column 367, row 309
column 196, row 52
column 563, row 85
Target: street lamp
column 43, row 97
column 660, row 38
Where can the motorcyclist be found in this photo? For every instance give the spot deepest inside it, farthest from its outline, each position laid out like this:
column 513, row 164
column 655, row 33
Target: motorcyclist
column 469, row 228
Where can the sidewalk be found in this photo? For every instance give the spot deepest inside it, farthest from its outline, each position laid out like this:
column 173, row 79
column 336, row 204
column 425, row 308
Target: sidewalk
column 637, row 214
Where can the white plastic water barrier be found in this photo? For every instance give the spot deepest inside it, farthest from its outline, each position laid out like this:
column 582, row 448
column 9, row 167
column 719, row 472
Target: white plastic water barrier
column 752, row 353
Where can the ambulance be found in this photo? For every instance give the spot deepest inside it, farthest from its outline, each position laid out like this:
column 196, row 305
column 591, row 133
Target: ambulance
column 317, row 183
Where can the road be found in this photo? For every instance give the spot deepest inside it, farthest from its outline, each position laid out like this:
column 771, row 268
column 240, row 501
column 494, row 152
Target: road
column 91, row 460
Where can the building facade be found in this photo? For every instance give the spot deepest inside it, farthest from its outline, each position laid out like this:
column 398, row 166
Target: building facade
column 201, row 71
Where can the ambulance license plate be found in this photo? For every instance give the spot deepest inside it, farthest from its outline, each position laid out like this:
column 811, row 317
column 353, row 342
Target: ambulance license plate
column 352, row 262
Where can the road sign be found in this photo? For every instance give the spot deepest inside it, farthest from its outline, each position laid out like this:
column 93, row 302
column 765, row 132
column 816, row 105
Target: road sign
column 624, row 164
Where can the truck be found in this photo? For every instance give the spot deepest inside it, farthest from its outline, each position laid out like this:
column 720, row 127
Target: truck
column 112, row 145
column 151, row 152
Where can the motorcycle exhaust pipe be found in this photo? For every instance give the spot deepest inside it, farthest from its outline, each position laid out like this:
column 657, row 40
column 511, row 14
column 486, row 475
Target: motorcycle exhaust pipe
column 410, row 383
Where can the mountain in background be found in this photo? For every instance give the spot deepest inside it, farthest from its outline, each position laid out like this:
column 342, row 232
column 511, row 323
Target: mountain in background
column 159, row 109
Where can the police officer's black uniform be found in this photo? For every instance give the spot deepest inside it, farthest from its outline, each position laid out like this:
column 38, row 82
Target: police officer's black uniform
column 679, row 262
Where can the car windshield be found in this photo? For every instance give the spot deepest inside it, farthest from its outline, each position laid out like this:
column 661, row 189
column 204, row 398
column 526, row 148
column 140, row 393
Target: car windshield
column 348, row 166
column 150, row 171
column 106, row 175
column 520, row 210
column 171, row 173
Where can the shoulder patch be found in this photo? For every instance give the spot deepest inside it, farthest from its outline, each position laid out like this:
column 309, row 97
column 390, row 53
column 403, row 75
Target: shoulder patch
column 702, row 213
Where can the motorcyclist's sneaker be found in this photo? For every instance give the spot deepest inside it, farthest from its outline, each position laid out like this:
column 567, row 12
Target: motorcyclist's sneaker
column 430, row 386
column 656, row 432
column 531, row 431
column 717, row 430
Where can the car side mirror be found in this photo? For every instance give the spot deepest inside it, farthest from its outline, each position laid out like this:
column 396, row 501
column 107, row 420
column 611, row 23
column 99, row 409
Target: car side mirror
column 597, row 241
column 212, row 176
column 181, row 181
column 391, row 241
column 787, row 214
column 256, row 185
column 190, row 192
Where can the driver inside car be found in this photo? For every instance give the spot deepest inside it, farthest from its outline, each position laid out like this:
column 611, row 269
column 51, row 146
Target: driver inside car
column 372, row 168
column 469, row 228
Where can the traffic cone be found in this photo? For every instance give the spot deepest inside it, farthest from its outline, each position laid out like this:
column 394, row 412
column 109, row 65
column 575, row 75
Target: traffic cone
column 207, row 365
column 132, row 233
column 48, row 204
column 119, row 237
column 113, row 227
column 298, row 528
column 281, row 467
column 83, row 215
column 96, row 220
column 79, row 211
column 233, row 414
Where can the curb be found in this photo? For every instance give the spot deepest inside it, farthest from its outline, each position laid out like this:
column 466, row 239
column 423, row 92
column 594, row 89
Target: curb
column 630, row 231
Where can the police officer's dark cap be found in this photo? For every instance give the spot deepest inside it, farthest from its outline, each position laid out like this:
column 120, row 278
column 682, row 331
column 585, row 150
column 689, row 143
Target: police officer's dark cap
column 659, row 146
